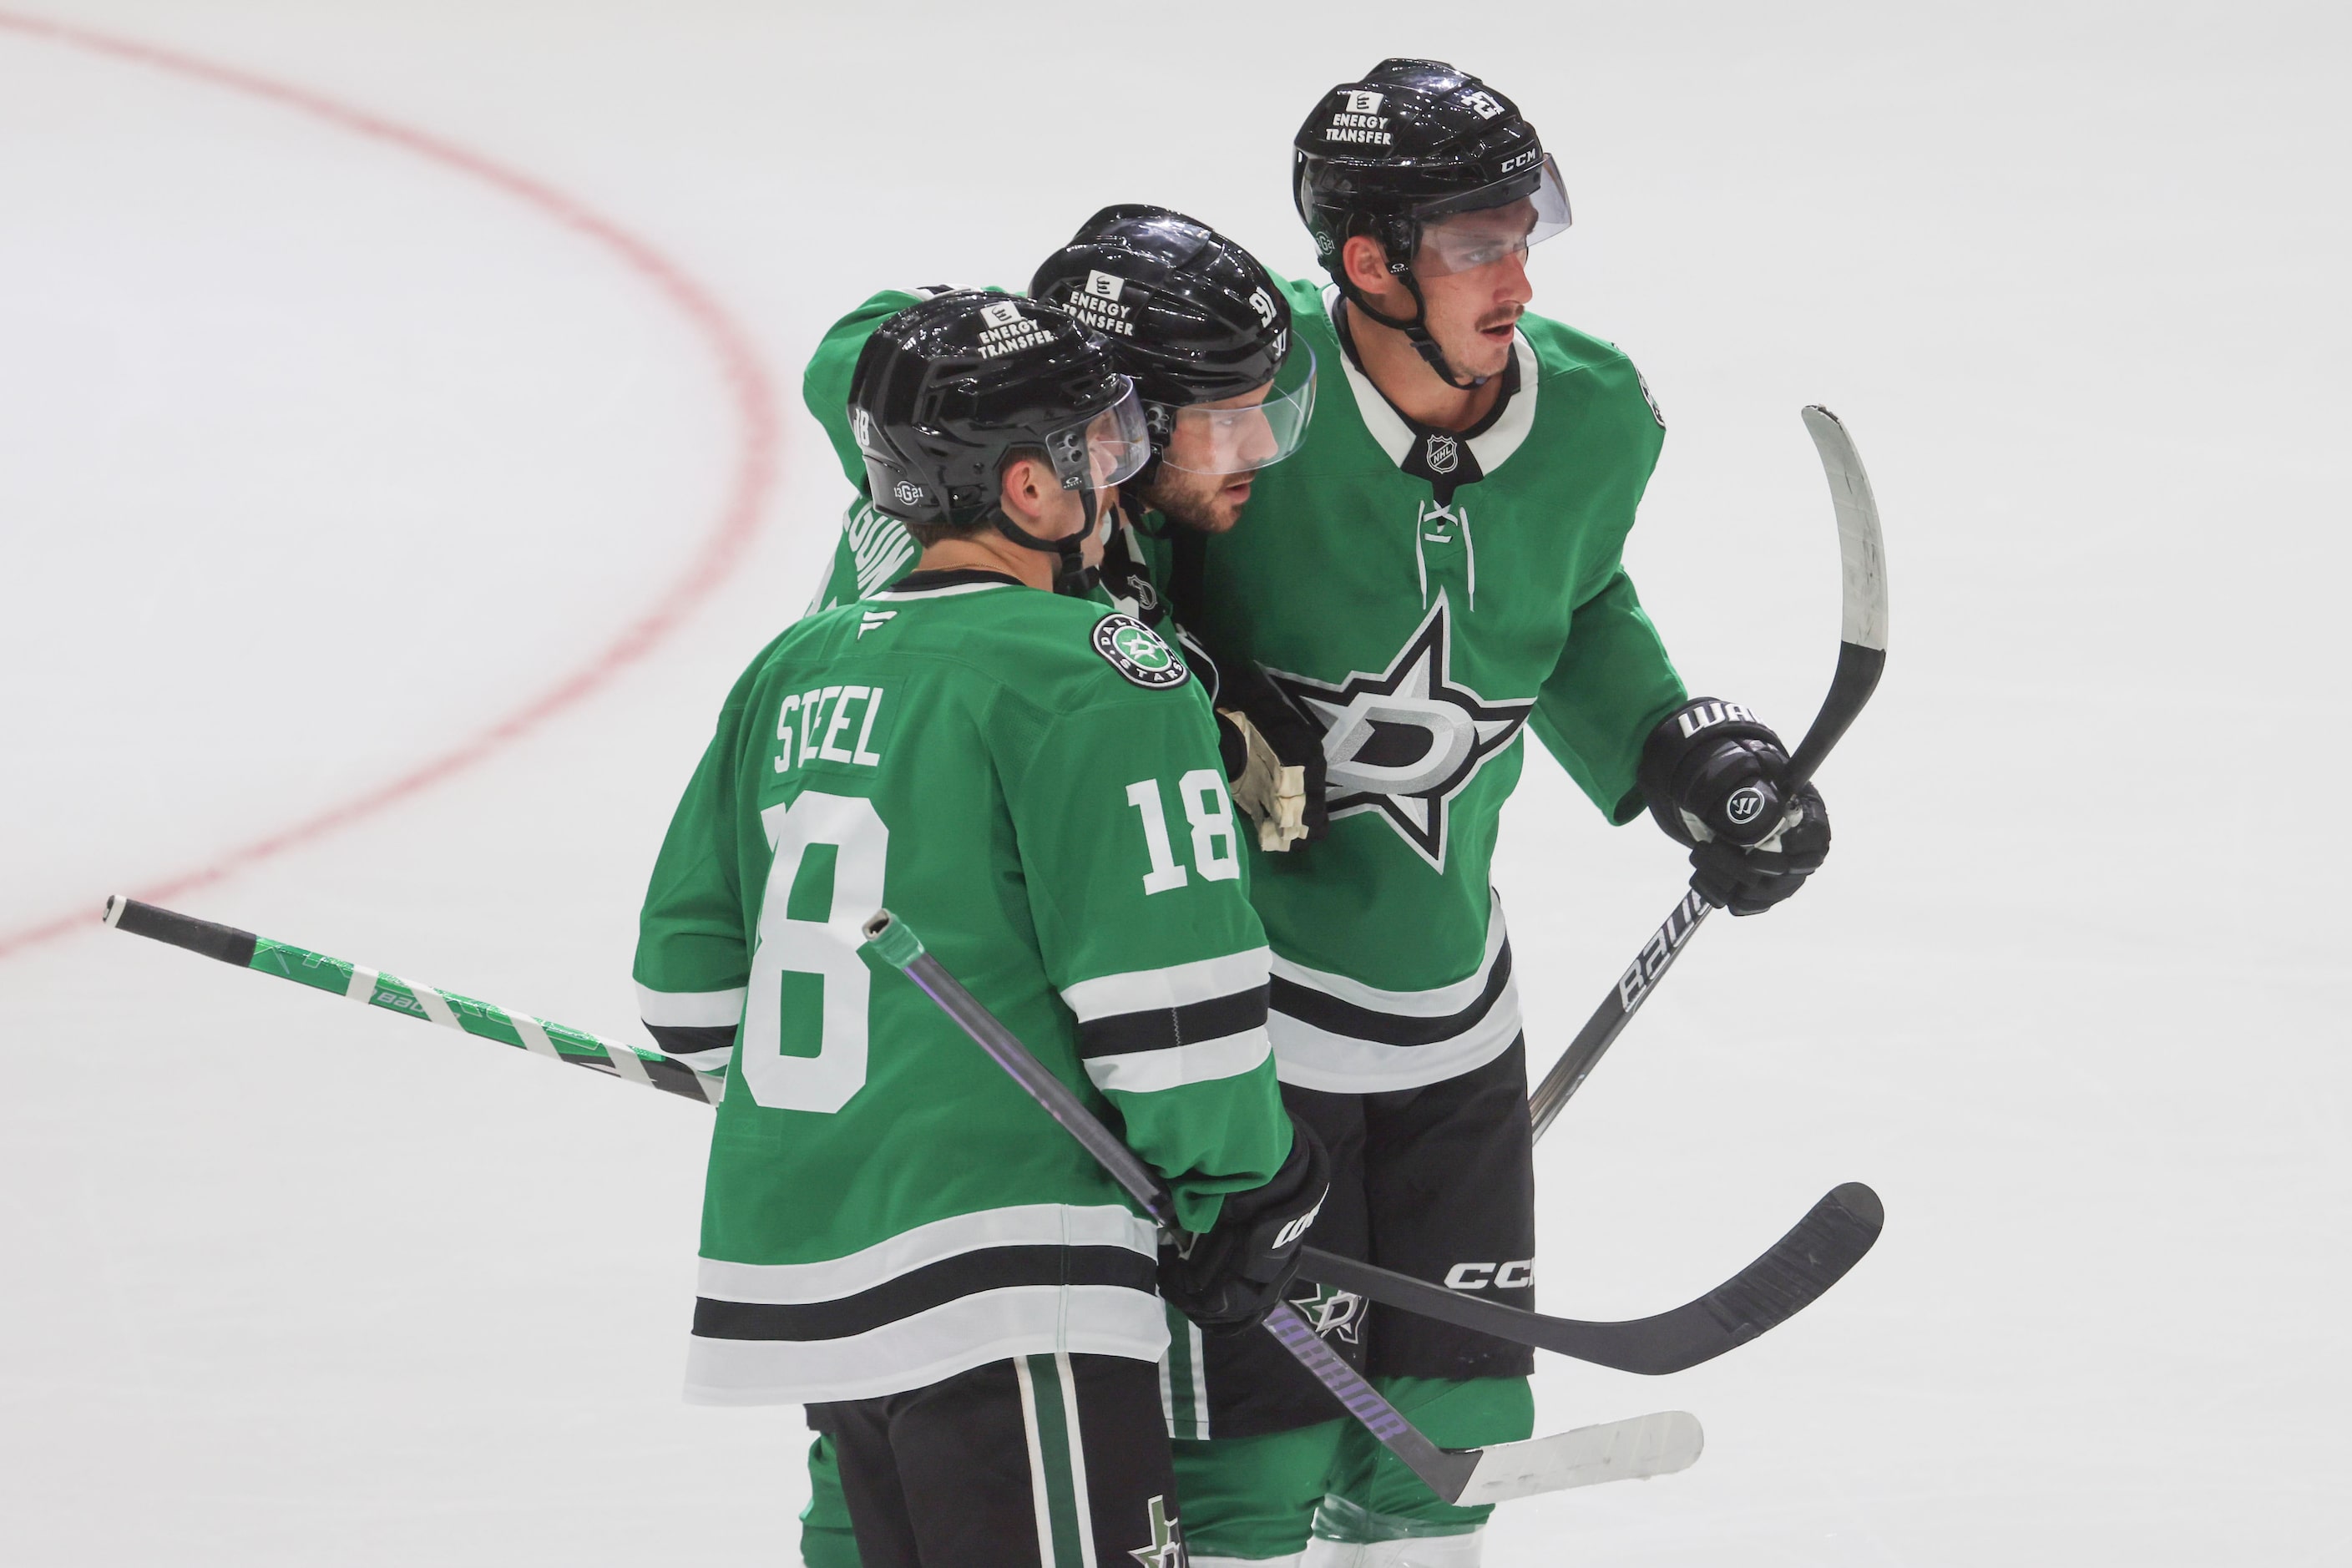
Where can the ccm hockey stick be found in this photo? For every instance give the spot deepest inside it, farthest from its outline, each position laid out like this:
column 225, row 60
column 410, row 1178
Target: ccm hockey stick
column 413, row 999
column 1861, row 656
column 1620, row 1450
column 1807, row 1261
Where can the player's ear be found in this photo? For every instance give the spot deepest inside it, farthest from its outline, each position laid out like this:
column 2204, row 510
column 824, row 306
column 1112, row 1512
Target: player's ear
column 1027, row 480
column 1367, row 264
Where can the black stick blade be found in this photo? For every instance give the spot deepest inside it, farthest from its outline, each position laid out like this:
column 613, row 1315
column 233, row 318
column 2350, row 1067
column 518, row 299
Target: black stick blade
column 227, row 943
column 1816, row 1254
column 1831, row 1239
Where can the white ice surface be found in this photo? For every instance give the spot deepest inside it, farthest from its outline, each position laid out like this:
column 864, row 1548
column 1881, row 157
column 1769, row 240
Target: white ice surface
column 315, row 457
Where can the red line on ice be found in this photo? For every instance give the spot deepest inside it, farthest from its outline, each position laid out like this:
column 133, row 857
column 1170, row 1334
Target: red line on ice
column 755, row 459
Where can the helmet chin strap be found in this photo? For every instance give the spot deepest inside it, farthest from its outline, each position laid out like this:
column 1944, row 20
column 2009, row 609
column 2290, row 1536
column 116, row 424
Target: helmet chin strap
column 1414, row 331
column 1072, row 575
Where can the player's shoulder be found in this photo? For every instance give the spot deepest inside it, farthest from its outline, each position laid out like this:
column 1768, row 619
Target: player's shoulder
column 1052, row 652
column 1562, row 349
column 1569, row 358
column 1308, row 308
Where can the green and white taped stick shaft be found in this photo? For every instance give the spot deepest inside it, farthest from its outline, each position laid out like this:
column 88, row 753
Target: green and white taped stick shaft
column 414, row 999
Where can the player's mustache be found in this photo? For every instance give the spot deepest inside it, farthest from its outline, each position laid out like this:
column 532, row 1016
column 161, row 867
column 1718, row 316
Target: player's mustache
column 1507, row 317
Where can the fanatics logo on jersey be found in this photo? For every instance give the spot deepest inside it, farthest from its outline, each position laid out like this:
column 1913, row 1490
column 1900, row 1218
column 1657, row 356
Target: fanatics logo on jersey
column 1406, row 741
column 1445, row 453
column 1135, row 650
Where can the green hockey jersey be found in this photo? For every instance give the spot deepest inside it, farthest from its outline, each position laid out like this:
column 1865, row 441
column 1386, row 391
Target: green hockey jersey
column 1033, row 783
column 1426, row 596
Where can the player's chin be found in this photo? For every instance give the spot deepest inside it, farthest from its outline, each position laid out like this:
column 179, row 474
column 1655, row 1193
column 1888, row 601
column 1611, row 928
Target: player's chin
column 1494, row 350
column 1231, row 496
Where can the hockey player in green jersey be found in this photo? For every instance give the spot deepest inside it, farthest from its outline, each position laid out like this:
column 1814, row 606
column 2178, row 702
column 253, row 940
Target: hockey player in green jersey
column 892, row 1232
column 1435, row 571
column 1204, row 332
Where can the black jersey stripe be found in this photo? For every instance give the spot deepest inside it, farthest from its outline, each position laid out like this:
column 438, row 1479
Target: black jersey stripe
column 920, row 1289
column 692, row 1039
column 1161, row 1027
column 1334, row 1016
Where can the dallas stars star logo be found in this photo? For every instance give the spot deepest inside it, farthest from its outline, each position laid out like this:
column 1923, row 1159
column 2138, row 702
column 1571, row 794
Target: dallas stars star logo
column 1330, row 1311
column 1406, row 741
column 1167, row 1548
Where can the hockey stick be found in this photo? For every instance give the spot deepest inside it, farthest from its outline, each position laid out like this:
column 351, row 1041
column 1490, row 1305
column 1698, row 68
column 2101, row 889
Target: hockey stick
column 1620, row 1450
column 413, row 999
column 1861, row 656
column 1806, row 1262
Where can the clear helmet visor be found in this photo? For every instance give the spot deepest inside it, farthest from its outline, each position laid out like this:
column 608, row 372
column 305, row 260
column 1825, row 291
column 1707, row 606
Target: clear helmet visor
column 1487, row 226
column 1241, row 435
column 1103, row 449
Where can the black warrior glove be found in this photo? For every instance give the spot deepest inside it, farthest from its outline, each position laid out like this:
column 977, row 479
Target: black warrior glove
column 1714, row 779
column 1273, row 757
column 1231, row 1275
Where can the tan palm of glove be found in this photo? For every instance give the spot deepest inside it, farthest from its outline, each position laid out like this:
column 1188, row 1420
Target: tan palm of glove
column 1272, row 794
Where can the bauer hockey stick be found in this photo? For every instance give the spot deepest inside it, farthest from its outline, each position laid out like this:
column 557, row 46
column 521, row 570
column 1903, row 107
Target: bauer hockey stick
column 414, row 999
column 1807, row 1261
column 1861, row 656
column 1620, row 1450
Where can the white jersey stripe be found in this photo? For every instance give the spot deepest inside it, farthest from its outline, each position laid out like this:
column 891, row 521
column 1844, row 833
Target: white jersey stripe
column 1084, row 1506
column 951, row 591
column 1341, row 1064
column 1438, row 1003
column 1051, row 1224
column 1171, row 1067
column 1039, row 1497
column 690, row 1009
column 1178, row 985
column 970, row 1332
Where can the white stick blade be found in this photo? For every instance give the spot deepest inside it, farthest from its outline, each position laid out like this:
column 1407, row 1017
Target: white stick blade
column 1859, row 548
column 1630, row 1450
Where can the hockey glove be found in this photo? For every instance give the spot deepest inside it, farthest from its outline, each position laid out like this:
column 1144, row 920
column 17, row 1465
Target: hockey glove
column 1231, row 1277
column 1273, row 757
column 1714, row 779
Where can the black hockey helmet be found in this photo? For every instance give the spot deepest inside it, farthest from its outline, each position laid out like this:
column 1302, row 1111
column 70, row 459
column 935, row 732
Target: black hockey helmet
column 1191, row 318
column 951, row 386
column 1394, row 156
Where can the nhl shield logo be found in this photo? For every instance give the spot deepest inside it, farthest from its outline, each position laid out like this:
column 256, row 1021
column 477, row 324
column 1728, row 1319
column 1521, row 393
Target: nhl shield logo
column 1135, row 650
column 1443, row 453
